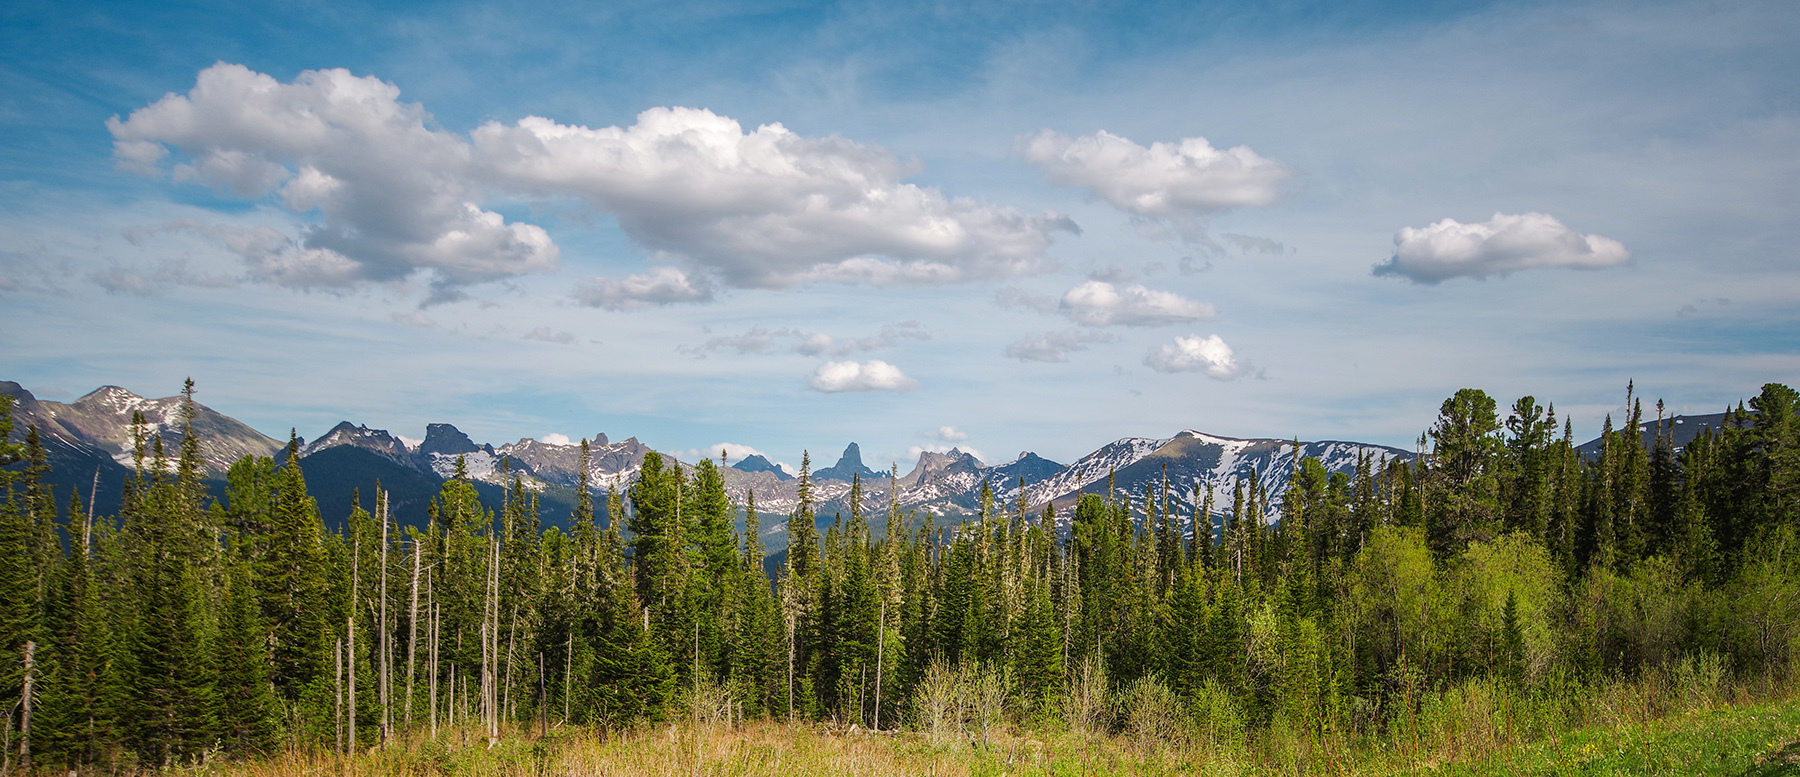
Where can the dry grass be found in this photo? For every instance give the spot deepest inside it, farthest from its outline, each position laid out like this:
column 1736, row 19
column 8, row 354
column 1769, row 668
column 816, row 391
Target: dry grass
column 1477, row 724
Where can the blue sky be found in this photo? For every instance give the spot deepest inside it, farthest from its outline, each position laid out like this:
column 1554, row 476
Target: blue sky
column 1032, row 226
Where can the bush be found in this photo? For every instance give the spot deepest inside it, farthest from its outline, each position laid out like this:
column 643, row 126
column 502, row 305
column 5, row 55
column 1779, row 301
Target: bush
column 1153, row 716
column 1088, row 702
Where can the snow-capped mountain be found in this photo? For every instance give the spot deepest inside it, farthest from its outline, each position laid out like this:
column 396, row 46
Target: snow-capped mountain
column 1195, row 459
column 102, row 421
column 351, row 457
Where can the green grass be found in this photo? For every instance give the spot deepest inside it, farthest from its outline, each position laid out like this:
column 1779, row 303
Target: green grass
column 1754, row 741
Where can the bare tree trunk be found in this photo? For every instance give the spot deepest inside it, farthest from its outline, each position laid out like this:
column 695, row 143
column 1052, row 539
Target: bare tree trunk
column 568, row 673
column 25, row 704
column 434, row 661
column 337, row 695
column 412, row 634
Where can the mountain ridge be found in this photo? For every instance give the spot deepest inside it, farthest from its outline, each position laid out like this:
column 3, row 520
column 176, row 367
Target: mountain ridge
column 946, row 484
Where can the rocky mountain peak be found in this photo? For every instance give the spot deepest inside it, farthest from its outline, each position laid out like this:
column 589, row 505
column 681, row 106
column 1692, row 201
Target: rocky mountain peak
column 847, row 466
column 757, row 463
column 447, row 440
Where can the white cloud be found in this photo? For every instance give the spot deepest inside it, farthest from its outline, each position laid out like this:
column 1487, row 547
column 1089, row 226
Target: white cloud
column 556, row 439
column 1208, row 355
column 763, row 208
column 872, row 375
column 1176, row 181
column 1055, row 346
column 948, row 434
column 1501, row 245
column 395, row 195
column 661, row 286
column 1097, row 303
column 767, row 208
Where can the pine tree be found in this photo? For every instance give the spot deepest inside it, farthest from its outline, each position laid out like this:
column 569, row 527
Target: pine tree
column 249, row 714
column 290, row 582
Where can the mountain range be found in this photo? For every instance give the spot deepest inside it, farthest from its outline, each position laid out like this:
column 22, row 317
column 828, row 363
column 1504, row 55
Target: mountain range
column 89, row 445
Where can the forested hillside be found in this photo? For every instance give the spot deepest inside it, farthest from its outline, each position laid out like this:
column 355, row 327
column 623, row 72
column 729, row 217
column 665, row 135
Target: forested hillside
column 1504, row 561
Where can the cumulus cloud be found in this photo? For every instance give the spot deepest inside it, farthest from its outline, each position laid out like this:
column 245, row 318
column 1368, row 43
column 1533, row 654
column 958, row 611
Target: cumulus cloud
column 395, row 195
column 1207, row 355
column 1501, row 245
column 1098, row 303
column 1174, row 181
column 767, row 208
column 948, row 434
column 661, row 286
column 1055, row 346
column 872, row 375
column 556, row 439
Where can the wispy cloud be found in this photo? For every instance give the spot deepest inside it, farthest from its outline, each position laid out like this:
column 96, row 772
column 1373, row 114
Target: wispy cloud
column 760, row 339
column 1056, row 346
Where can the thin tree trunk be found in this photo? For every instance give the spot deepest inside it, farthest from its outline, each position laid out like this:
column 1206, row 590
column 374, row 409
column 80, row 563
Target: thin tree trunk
column 337, row 695
column 25, row 706
column 434, row 661
column 568, row 672
column 412, row 634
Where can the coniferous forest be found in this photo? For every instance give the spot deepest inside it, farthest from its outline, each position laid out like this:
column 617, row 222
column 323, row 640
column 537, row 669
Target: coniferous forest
column 1503, row 564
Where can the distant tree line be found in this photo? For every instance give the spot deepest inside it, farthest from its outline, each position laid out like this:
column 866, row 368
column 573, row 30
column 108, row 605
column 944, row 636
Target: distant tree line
column 186, row 625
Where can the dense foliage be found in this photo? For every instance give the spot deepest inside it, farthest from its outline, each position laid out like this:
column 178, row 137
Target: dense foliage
column 184, row 626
